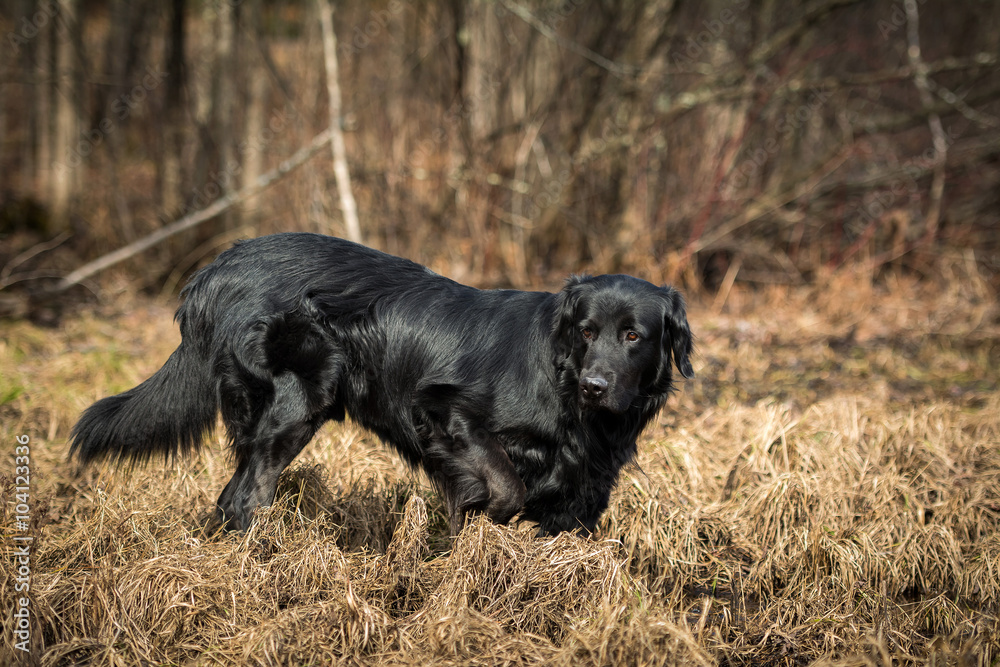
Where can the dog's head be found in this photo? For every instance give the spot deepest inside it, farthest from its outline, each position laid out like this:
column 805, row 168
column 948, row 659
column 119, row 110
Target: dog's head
column 621, row 335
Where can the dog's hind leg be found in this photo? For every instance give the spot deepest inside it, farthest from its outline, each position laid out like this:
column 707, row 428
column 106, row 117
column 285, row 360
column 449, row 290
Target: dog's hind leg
column 274, row 397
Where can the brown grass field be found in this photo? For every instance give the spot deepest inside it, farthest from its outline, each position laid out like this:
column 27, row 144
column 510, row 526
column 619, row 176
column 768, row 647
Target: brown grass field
column 826, row 492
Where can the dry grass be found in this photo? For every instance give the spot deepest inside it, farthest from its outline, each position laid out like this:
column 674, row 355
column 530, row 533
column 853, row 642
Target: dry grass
column 827, row 492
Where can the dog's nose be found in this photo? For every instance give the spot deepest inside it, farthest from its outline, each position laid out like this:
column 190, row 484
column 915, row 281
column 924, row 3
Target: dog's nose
column 593, row 387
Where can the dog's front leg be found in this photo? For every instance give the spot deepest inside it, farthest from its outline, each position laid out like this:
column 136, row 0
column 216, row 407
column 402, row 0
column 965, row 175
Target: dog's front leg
column 474, row 474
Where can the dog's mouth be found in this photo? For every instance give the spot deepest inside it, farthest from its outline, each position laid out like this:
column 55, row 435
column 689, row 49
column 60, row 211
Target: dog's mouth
column 608, row 401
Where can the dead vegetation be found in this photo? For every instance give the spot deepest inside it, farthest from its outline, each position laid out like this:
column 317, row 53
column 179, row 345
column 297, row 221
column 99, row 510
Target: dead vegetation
column 826, row 492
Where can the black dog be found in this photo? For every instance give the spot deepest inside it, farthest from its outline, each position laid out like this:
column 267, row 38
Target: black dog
column 509, row 400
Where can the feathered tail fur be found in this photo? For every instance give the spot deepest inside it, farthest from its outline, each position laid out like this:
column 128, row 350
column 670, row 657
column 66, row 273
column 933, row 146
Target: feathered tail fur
column 167, row 415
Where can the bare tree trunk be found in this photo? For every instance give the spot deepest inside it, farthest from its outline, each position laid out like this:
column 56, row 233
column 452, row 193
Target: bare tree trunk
column 635, row 236
column 170, row 181
column 41, row 120
column 21, row 63
column 347, row 204
column 400, row 136
column 120, row 61
column 223, row 99
column 65, row 113
column 253, row 156
column 940, row 143
column 483, row 55
column 4, row 91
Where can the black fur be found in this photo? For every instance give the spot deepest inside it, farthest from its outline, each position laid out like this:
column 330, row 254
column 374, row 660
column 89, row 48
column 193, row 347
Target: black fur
column 510, row 401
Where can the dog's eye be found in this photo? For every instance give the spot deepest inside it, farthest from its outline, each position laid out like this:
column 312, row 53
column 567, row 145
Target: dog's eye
column 631, row 336
column 587, row 334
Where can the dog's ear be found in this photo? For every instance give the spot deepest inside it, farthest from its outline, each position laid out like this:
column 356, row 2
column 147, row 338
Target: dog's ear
column 564, row 321
column 676, row 339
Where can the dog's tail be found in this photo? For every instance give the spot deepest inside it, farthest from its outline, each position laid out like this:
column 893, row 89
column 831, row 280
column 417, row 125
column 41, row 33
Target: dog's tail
column 167, row 415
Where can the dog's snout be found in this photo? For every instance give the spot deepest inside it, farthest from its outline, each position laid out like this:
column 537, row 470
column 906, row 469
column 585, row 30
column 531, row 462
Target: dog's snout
column 593, row 386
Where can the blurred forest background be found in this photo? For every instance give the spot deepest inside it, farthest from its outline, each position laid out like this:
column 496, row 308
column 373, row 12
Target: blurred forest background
column 510, row 142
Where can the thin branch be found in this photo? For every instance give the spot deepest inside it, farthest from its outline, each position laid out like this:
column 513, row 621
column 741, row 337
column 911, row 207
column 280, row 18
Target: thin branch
column 973, row 151
column 26, row 277
column 984, row 59
column 522, row 13
column 933, row 120
column 812, row 13
column 196, row 218
column 711, row 92
column 963, row 108
column 28, row 254
column 895, row 122
column 760, row 207
column 348, row 206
